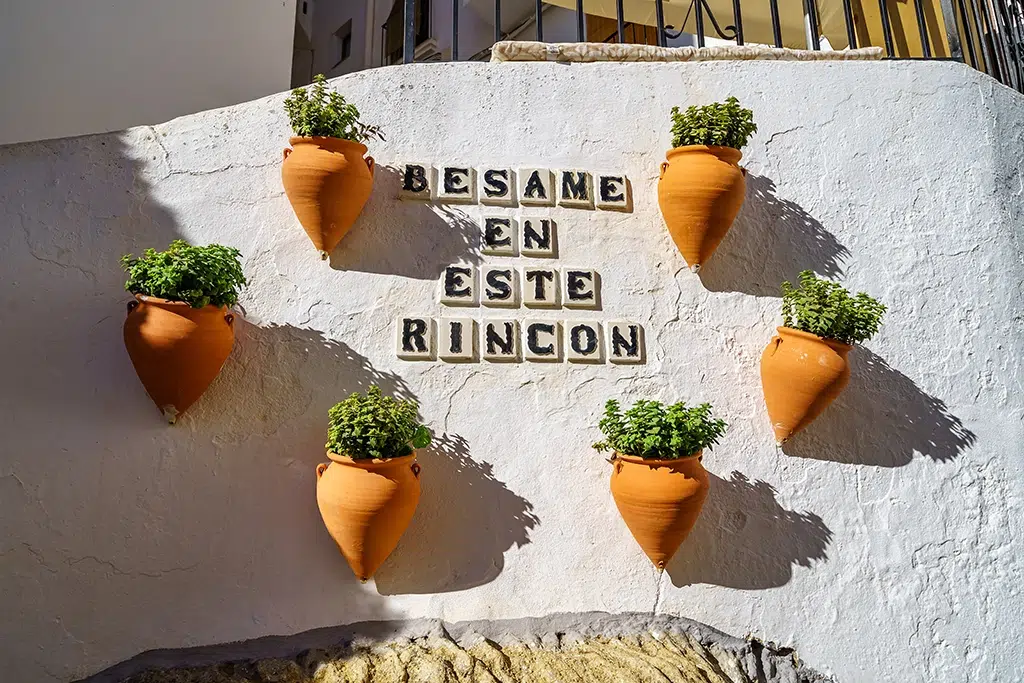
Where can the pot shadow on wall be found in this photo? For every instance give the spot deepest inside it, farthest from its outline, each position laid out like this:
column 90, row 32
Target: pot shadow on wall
column 771, row 241
column 881, row 418
column 745, row 539
column 466, row 520
column 410, row 238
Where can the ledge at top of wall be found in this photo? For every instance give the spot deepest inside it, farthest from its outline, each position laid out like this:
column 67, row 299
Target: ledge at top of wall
column 531, row 51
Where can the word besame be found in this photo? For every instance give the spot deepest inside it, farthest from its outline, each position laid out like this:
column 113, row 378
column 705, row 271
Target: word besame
column 505, row 187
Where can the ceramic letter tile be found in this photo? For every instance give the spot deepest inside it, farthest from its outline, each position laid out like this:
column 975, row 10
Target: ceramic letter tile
column 498, row 186
column 613, row 193
column 541, row 287
column 499, row 286
column 538, row 238
column 456, row 184
column 499, row 340
column 575, row 189
column 581, row 288
column 536, row 187
column 458, row 285
column 414, row 338
column 625, row 342
column 583, row 342
column 542, row 340
column 417, row 180
column 498, row 236
column 456, row 340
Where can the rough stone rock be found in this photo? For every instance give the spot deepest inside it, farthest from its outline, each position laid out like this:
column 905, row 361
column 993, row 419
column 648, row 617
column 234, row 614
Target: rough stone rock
column 594, row 648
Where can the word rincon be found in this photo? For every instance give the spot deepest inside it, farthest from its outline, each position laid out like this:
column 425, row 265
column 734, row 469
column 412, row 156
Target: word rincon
column 465, row 340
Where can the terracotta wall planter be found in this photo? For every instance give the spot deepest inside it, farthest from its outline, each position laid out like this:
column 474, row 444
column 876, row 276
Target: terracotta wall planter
column 700, row 192
column 177, row 350
column 367, row 505
column 659, row 500
column 328, row 181
column 801, row 374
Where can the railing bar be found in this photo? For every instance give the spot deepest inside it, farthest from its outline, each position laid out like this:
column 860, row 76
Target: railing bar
column 659, row 11
column 699, row 16
column 970, row 36
column 956, row 49
column 851, row 32
column 812, row 17
column 776, row 27
column 981, row 34
column 497, row 21
column 409, row 40
column 455, row 30
column 738, row 19
column 995, row 42
column 1016, row 33
column 580, row 25
column 1006, row 38
column 620, row 22
column 922, row 28
column 886, row 27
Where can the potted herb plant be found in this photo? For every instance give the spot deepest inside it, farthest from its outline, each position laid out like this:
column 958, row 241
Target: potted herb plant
column 325, row 175
column 702, row 186
column 179, row 331
column 658, row 482
column 368, row 493
column 805, row 366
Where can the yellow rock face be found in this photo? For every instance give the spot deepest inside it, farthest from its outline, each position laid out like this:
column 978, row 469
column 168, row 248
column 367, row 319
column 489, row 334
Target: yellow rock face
column 645, row 658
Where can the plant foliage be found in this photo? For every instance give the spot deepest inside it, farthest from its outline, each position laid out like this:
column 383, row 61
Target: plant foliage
column 322, row 113
column 196, row 275
column 652, row 431
column 720, row 124
column 826, row 309
column 375, row 426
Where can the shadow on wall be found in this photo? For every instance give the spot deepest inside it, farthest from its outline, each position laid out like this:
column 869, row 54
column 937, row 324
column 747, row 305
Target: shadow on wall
column 882, row 418
column 772, row 240
column 744, row 539
column 414, row 239
column 465, row 522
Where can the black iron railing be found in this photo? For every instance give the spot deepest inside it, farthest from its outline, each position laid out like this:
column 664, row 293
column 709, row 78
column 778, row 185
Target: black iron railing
column 987, row 34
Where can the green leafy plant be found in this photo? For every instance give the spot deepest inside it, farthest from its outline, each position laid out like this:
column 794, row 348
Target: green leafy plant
column 827, row 310
column 720, row 124
column 319, row 112
column 196, row 275
column 375, row 426
column 653, row 431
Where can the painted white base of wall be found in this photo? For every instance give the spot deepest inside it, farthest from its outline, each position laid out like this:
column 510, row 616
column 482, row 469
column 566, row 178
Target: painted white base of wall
column 884, row 543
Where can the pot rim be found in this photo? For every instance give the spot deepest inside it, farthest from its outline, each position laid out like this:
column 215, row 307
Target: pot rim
column 328, row 143
column 155, row 300
column 832, row 343
column 658, row 463
column 727, row 154
column 372, row 463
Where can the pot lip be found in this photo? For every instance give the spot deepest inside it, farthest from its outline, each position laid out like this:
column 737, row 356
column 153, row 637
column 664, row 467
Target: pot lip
column 170, row 303
column 333, row 144
column 837, row 345
column 658, row 463
column 728, row 154
column 371, row 464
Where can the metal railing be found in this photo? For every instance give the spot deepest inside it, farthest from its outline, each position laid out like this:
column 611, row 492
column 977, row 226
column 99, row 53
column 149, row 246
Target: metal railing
column 987, row 34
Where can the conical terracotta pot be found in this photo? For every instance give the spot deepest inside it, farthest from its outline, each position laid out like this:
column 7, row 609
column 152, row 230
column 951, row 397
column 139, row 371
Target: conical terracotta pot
column 801, row 374
column 367, row 505
column 660, row 501
column 328, row 181
column 177, row 350
column 700, row 192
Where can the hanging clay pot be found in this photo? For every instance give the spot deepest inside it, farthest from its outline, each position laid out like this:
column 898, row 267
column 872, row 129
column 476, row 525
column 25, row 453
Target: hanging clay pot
column 659, row 500
column 177, row 350
column 367, row 505
column 328, row 181
column 801, row 374
column 700, row 192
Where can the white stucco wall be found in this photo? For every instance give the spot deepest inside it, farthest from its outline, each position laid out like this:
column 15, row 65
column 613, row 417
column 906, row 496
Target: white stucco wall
column 884, row 543
column 88, row 66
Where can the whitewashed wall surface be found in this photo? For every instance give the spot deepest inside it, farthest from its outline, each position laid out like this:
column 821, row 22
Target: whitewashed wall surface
column 884, row 543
